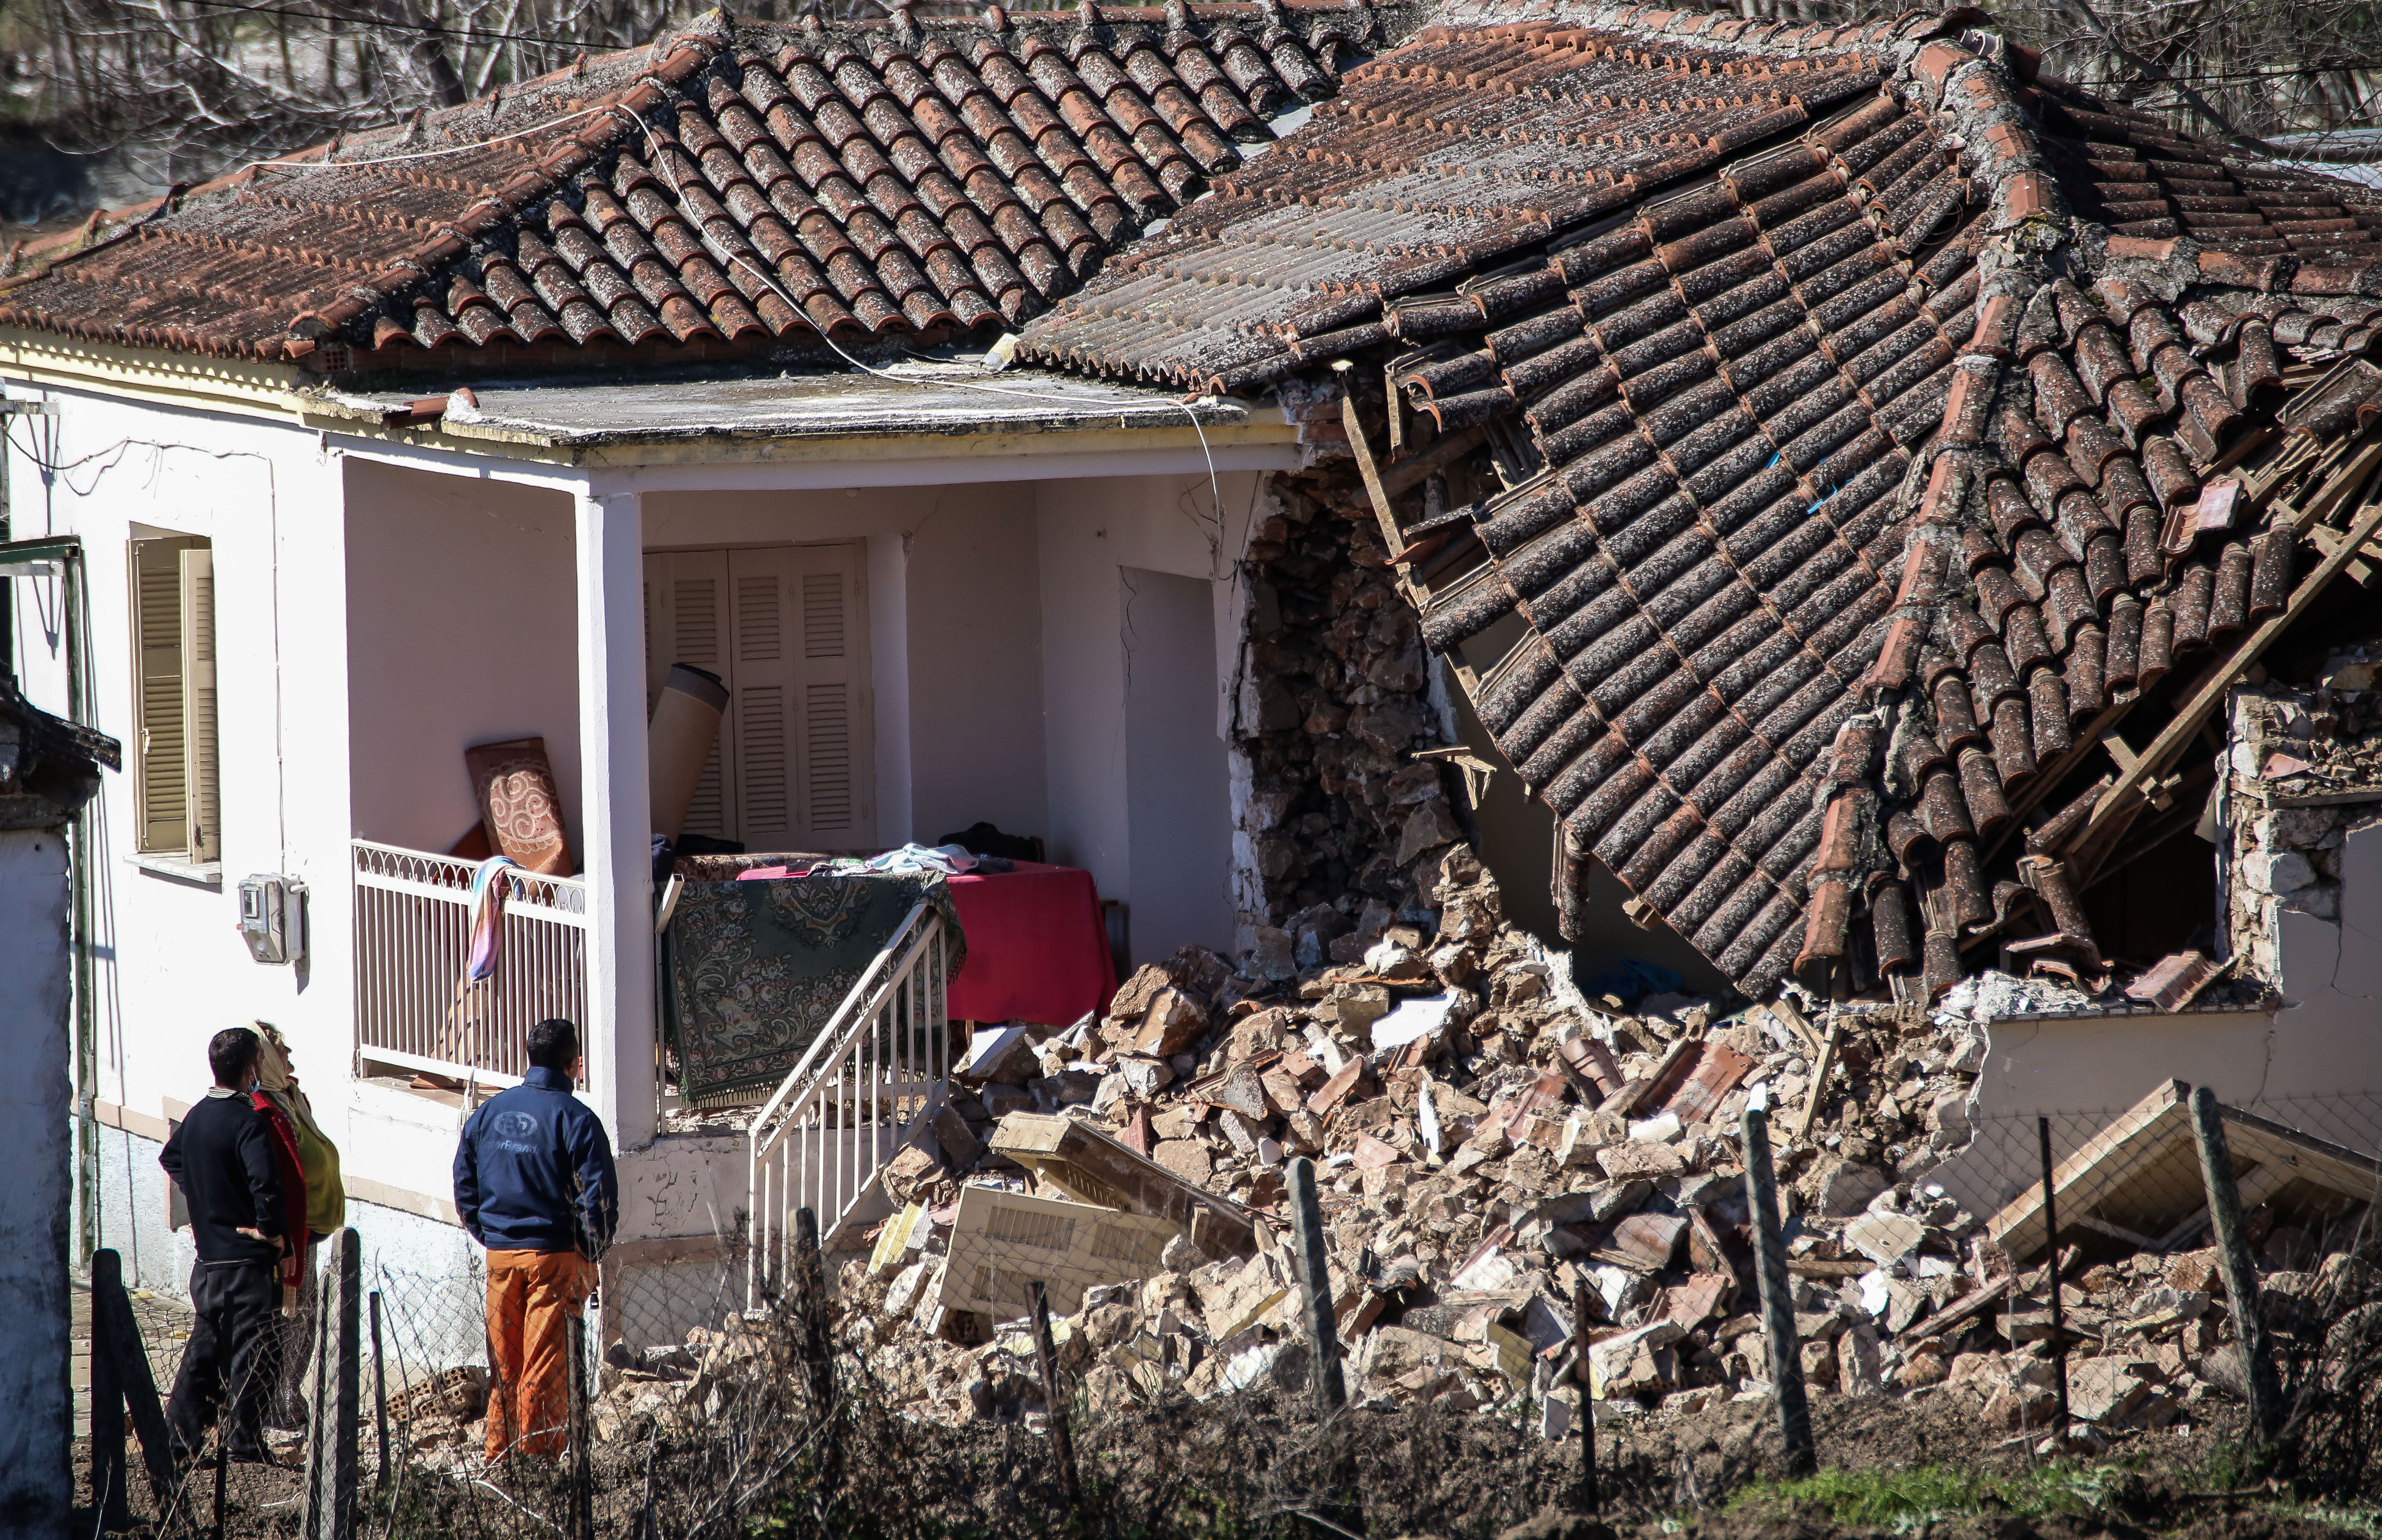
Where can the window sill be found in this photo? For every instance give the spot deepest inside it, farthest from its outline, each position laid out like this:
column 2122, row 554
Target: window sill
column 180, row 868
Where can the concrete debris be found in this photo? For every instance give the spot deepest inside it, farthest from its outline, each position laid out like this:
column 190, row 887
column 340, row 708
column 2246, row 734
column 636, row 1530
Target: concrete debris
column 1492, row 1150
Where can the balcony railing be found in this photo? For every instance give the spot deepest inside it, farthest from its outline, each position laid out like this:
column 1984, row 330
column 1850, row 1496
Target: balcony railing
column 414, row 926
column 873, row 1077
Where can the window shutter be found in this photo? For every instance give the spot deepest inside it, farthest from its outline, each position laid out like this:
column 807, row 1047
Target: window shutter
column 161, row 812
column 202, row 794
column 832, row 793
column 800, row 710
column 765, row 791
column 687, row 621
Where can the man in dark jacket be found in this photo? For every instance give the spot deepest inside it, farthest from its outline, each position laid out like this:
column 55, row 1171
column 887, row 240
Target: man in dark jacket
column 222, row 1159
column 533, row 1184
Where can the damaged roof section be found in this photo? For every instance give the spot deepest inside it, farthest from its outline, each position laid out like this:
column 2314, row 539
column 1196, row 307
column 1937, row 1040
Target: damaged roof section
column 1476, row 142
column 1850, row 492
column 733, row 185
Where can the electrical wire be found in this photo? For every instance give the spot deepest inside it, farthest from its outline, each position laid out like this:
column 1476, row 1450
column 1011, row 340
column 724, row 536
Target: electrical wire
column 678, row 194
column 326, row 162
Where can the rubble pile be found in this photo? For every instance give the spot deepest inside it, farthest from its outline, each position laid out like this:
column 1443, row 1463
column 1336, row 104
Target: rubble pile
column 1487, row 1142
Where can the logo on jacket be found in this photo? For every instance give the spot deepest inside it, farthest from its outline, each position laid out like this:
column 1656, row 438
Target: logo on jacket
column 515, row 1124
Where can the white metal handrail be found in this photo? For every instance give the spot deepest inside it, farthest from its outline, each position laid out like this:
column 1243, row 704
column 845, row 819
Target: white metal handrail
column 871, row 1079
column 413, row 931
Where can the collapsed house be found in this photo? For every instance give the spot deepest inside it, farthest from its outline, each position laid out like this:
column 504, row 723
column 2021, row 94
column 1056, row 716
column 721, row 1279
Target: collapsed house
column 1841, row 474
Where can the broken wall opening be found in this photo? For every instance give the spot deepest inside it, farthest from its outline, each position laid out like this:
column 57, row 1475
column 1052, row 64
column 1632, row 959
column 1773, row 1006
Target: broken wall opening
column 1337, row 703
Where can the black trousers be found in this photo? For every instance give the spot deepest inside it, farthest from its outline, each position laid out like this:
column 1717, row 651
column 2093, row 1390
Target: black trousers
column 233, row 1354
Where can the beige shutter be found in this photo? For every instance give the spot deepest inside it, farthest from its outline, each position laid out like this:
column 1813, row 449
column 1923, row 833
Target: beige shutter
column 202, row 794
column 687, row 620
column 801, row 706
column 837, row 771
column 161, row 813
column 759, row 709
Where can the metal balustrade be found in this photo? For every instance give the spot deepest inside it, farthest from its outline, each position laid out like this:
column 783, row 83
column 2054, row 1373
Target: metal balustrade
column 871, row 1080
column 413, row 928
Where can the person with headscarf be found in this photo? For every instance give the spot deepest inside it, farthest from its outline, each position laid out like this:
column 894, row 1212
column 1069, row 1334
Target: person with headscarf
column 317, row 1206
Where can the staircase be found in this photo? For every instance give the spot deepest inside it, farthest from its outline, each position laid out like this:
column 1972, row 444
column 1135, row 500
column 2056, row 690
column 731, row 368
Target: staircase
column 873, row 1078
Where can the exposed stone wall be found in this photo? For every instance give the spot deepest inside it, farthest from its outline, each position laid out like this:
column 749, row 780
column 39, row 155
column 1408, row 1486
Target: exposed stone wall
column 1335, row 696
column 2287, row 747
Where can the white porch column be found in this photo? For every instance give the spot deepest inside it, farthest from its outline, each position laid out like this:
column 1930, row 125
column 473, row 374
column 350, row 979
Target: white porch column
column 615, row 814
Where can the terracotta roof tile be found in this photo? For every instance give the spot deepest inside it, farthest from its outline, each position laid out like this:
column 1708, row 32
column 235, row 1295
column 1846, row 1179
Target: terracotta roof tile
column 894, row 176
column 1727, row 565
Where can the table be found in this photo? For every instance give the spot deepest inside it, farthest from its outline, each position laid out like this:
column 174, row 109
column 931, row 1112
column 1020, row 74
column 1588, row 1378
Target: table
column 1038, row 949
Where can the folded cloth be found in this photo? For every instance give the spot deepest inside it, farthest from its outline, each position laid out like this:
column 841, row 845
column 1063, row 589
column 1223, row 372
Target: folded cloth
column 949, row 860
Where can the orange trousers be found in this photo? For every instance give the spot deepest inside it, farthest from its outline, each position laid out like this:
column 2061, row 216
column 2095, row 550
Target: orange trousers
column 531, row 1297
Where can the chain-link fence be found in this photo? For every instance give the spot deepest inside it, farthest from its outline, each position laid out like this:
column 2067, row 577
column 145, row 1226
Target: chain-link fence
column 2126, row 1266
column 1004, row 1358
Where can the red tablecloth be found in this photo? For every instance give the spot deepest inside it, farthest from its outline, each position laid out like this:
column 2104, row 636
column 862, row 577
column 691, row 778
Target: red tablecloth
column 1036, row 947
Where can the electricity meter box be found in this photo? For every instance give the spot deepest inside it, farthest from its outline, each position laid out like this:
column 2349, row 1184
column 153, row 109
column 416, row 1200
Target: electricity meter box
column 273, row 917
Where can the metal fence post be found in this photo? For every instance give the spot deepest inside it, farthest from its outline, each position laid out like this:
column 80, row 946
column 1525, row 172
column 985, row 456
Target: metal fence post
column 1589, row 1498
column 2051, row 1230
column 1778, row 1298
column 1330, row 1388
column 1053, row 1397
column 332, row 1457
column 2233, row 1261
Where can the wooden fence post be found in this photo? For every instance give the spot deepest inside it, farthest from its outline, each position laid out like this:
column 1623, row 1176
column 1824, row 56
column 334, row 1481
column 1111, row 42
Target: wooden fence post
column 380, row 1401
column 109, row 1470
column 1330, row 1388
column 581, row 1433
column 2233, row 1261
column 1778, row 1298
column 332, row 1457
column 2051, row 1274
column 1062, row 1446
column 1589, row 1498
column 136, row 1384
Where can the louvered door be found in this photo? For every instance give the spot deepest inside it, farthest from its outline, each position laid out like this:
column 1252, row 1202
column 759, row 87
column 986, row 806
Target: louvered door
column 784, row 629
column 800, row 693
column 687, row 620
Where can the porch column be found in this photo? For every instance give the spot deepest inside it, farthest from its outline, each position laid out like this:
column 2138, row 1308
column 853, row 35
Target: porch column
column 615, row 816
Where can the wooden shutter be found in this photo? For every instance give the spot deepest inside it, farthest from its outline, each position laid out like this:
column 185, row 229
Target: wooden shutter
column 759, row 710
column 837, row 771
column 160, row 794
column 687, row 621
column 800, row 710
column 202, row 794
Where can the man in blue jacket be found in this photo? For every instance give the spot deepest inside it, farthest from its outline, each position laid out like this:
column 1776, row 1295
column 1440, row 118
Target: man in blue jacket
column 533, row 1184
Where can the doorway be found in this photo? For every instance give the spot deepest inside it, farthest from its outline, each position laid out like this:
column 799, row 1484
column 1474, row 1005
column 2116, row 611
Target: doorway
column 1178, row 789
column 785, row 629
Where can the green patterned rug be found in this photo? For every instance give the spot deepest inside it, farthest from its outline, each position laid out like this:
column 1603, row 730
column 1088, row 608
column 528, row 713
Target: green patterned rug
column 754, row 970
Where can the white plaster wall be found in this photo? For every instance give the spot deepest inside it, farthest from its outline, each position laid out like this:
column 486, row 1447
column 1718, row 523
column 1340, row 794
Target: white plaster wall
column 1178, row 795
column 1089, row 531
column 429, row 1273
column 169, row 968
column 2315, row 1063
column 35, row 1486
column 461, row 613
